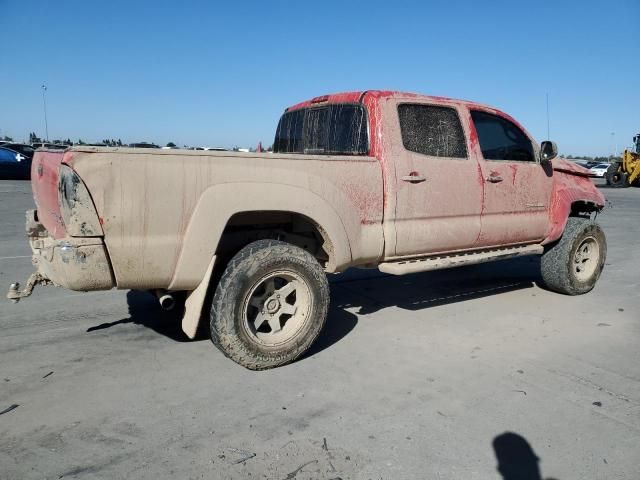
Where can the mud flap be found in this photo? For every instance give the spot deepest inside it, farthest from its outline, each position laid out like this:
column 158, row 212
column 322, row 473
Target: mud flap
column 194, row 303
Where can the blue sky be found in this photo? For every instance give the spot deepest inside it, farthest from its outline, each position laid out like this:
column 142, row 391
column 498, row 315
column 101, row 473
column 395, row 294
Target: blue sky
column 221, row 73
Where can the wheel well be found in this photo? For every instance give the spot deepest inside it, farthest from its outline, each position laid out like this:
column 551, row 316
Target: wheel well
column 584, row 208
column 294, row 228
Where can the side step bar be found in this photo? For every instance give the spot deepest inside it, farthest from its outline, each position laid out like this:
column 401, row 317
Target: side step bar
column 436, row 262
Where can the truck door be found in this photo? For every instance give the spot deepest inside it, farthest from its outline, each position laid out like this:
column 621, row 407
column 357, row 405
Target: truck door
column 517, row 188
column 438, row 192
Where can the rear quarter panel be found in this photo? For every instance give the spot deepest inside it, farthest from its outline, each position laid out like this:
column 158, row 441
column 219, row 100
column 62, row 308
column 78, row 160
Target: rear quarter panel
column 163, row 212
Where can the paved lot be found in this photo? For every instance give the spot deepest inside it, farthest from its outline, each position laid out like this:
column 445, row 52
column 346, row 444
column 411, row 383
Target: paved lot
column 415, row 377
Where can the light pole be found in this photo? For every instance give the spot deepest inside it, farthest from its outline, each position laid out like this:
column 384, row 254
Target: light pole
column 44, row 105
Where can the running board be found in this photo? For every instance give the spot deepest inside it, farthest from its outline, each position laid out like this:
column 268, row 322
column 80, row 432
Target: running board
column 437, row 262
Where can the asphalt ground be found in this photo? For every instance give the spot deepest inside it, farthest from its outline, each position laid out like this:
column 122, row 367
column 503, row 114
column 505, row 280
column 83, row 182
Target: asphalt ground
column 462, row 374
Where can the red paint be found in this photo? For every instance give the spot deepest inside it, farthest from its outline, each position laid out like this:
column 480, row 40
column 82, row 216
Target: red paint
column 514, row 171
column 569, row 180
column 44, row 183
column 473, row 134
column 562, row 165
column 568, row 189
column 372, row 98
column 320, row 99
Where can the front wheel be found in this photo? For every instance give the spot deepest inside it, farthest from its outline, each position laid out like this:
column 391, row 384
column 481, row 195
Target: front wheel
column 573, row 264
column 270, row 305
column 616, row 177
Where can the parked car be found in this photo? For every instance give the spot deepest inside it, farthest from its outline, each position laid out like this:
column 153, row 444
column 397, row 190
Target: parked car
column 14, row 165
column 398, row 181
column 53, row 146
column 24, row 149
column 143, row 145
column 56, row 146
column 600, row 169
column 209, row 149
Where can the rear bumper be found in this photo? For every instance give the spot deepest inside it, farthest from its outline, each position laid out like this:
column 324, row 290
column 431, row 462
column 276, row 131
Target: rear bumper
column 75, row 263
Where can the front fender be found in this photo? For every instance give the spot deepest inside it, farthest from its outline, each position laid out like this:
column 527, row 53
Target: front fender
column 570, row 190
column 220, row 202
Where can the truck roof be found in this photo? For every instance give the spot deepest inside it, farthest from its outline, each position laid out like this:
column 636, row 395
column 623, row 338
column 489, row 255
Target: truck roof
column 357, row 96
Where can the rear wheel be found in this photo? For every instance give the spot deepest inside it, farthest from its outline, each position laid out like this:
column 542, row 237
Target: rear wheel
column 616, row 177
column 270, row 305
column 574, row 263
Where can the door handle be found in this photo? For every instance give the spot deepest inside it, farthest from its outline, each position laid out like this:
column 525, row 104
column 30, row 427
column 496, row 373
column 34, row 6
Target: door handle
column 494, row 178
column 414, row 178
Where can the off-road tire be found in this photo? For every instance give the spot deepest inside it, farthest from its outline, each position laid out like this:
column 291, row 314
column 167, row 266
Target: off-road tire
column 558, row 263
column 615, row 177
column 229, row 331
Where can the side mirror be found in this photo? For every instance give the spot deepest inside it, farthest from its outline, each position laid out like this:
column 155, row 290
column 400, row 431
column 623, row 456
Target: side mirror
column 548, row 151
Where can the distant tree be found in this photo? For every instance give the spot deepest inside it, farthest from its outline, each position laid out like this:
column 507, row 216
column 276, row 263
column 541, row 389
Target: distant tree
column 119, row 142
column 79, row 142
column 171, row 145
column 7, row 139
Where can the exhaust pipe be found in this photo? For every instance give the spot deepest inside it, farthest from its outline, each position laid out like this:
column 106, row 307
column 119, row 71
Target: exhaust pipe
column 166, row 299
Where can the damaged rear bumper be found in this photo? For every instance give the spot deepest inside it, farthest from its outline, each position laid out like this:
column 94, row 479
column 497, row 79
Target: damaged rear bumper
column 80, row 264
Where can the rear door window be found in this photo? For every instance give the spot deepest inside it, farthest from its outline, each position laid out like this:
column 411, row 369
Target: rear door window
column 501, row 139
column 432, row 130
column 339, row 129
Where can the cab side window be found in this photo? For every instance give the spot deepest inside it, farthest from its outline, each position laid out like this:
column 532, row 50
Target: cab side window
column 500, row 139
column 432, row 130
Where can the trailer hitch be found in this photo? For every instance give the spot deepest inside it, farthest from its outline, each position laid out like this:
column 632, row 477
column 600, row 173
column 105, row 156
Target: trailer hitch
column 36, row 278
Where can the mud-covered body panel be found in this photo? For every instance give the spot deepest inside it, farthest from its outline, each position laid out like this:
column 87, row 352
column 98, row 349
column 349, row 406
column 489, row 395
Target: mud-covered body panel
column 163, row 212
column 44, row 183
column 74, row 263
column 570, row 190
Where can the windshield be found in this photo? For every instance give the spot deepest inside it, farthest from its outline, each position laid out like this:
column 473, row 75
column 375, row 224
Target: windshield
column 339, row 129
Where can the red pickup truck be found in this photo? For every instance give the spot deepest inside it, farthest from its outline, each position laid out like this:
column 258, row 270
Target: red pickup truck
column 392, row 180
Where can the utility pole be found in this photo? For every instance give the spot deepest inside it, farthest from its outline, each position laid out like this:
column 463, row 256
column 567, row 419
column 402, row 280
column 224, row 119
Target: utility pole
column 44, row 105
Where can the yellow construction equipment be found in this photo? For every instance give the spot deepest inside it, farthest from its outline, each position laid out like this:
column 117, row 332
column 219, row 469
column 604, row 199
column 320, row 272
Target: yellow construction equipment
column 627, row 172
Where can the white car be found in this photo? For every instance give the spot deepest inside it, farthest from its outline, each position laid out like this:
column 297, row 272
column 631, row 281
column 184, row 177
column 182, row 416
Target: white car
column 600, row 169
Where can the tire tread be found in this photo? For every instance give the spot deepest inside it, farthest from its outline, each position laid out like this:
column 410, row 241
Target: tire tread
column 227, row 340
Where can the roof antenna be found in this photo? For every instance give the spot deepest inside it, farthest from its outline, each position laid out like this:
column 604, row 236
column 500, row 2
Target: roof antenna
column 548, row 136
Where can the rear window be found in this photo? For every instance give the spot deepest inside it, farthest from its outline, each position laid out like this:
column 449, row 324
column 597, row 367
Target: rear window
column 339, row 129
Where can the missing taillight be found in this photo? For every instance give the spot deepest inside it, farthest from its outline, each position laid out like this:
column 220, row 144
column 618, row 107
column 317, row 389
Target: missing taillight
column 76, row 206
